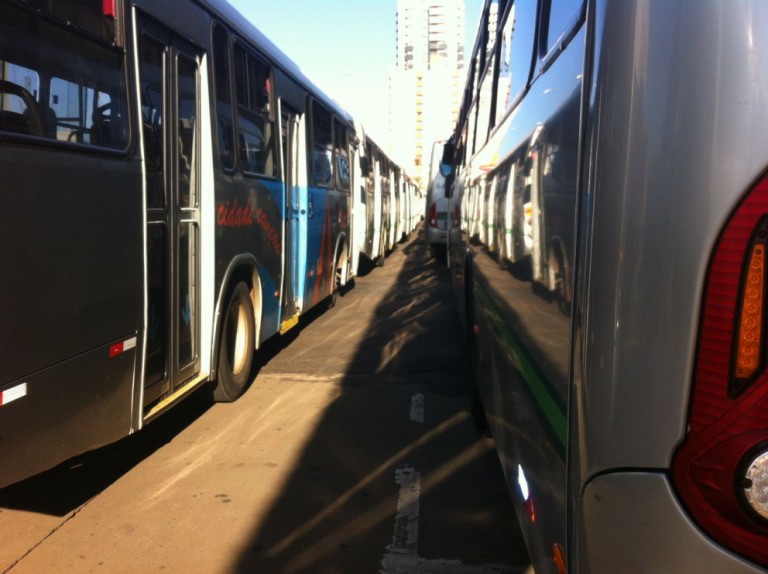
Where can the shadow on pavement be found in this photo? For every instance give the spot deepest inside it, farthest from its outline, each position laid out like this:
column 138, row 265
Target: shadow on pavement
column 342, row 497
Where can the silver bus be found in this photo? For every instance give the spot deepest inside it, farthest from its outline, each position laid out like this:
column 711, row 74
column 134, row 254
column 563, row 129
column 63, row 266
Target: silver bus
column 619, row 337
column 436, row 228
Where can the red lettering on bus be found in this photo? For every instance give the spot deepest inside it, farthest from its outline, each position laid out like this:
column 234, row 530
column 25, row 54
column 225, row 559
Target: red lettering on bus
column 272, row 235
column 235, row 216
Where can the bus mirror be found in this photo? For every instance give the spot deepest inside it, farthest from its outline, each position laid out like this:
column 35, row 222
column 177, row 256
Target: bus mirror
column 448, row 153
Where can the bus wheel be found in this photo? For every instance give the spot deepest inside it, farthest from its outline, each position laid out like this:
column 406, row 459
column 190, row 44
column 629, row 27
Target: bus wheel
column 336, row 285
column 236, row 346
column 340, row 276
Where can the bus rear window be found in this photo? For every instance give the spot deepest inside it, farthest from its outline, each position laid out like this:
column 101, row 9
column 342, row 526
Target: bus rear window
column 58, row 84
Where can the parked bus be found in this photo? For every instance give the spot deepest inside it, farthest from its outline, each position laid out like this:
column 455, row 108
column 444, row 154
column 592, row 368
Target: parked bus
column 436, row 229
column 376, row 172
column 617, row 327
column 177, row 192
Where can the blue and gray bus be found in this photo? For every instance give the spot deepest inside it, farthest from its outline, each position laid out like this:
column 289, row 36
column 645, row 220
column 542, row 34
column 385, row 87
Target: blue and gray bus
column 176, row 192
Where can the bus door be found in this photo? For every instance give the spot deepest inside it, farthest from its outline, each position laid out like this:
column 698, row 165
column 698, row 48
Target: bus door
column 296, row 216
column 359, row 207
column 169, row 82
column 377, row 251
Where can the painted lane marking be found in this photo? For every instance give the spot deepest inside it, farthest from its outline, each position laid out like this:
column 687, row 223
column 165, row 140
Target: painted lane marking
column 406, row 538
column 402, row 556
column 417, row 408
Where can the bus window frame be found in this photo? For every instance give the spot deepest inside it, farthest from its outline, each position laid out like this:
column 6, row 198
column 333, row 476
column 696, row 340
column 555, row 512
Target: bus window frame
column 341, row 127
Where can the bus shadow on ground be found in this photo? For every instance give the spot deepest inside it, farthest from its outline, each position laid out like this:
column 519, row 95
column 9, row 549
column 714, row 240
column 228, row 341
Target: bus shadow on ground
column 341, row 508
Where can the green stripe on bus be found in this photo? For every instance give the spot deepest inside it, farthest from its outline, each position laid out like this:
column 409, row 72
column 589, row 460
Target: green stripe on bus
column 547, row 404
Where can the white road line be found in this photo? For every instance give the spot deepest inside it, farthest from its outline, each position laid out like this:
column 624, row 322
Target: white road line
column 402, row 556
column 406, row 538
column 417, row 407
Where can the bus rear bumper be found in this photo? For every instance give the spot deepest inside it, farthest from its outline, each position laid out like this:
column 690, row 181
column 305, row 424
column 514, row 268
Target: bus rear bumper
column 436, row 236
column 633, row 522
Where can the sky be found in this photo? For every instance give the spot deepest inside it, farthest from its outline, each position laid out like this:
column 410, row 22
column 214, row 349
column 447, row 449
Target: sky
column 346, row 47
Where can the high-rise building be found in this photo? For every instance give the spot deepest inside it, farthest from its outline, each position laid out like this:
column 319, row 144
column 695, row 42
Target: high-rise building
column 426, row 86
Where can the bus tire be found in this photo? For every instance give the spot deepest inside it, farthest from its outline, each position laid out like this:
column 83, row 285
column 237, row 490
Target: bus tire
column 336, row 280
column 236, row 346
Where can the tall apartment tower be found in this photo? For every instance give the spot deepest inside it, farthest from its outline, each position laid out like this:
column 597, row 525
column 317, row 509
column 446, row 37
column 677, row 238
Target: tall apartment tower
column 426, row 86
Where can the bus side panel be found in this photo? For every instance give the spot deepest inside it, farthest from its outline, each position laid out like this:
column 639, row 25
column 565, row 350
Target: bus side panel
column 249, row 215
column 71, row 233
column 663, row 185
column 523, row 335
column 62, row 411
column 72, row 236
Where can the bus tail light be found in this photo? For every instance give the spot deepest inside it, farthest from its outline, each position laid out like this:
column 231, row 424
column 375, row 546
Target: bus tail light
column 108, row 8
column 755, row 482
column 721, row 469
column 433, row 215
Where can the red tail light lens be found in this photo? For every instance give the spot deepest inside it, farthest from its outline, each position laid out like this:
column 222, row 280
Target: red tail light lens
column 108, row 7
column 433, row 215
column 716, row 467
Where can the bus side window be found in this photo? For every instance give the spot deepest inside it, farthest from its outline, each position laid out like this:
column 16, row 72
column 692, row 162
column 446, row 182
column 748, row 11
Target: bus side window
column 322, row 145
column 342, row 155
column 255, row 125
column 515, row 53
column 19, row 112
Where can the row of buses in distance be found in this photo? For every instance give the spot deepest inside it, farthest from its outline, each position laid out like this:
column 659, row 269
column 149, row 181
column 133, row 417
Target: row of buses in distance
column 607, row 234
column 176, row 192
